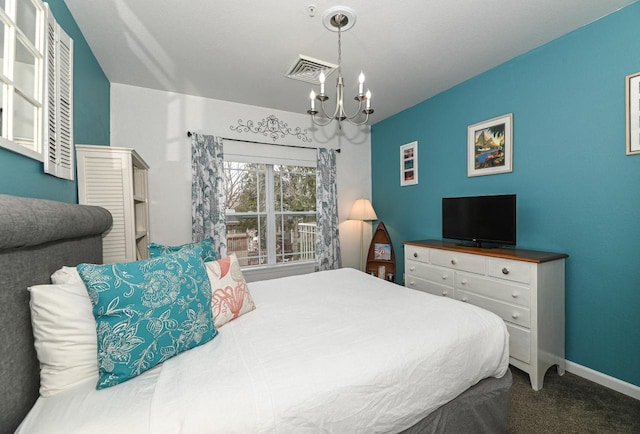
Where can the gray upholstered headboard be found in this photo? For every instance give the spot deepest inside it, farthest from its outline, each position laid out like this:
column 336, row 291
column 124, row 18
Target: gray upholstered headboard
column 37, row 237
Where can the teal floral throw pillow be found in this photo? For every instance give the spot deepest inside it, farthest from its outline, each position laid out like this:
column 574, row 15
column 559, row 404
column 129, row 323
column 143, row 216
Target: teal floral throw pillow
column 208, row 254
column 148, row 311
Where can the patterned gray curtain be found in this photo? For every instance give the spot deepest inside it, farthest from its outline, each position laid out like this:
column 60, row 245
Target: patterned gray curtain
column 207, row 192
column 327, row 241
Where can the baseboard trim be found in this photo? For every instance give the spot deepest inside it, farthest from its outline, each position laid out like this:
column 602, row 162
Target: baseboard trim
column 604, row 380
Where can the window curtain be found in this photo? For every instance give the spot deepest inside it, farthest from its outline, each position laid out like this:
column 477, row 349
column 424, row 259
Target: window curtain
column 208, row 197
column 327, row 236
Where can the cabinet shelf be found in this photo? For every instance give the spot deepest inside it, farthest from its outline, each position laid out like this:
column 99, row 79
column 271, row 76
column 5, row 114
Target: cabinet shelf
column 380, row 248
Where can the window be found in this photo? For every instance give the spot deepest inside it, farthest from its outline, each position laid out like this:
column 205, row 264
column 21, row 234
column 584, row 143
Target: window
column 21, row 76
column 29, row 52
column 271, row 212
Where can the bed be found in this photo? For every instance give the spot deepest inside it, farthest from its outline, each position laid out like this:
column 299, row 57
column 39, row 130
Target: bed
column 333, row 351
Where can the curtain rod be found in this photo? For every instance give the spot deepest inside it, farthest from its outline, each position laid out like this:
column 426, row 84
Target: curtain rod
column 189, row 134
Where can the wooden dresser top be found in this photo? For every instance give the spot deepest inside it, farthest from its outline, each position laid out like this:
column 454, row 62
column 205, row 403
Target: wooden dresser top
column 496, row 252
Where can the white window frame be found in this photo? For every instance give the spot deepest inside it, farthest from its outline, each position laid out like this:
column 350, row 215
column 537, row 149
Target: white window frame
column 247, row 152
column 7, row 78
column 52, row 98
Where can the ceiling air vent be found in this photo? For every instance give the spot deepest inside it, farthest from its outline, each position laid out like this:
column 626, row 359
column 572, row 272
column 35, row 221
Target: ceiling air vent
column 308, row 69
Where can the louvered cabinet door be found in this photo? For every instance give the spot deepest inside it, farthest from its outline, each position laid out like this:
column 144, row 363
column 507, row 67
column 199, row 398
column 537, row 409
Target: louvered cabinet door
column 116, row 179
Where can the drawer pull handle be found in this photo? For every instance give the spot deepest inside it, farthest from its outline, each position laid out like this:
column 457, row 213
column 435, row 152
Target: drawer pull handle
column 454, row 261
column 514, row 315
column 463, row 281
column 505, row 270
column 514, row 295
column 445, row 293
column 412, row 283
column 412, row 268
column 464, row 299
column 444, row 277
column 415, row 254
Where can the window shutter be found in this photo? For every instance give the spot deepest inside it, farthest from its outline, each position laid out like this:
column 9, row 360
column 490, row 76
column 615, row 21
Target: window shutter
column 64, row 130
column 50, row 105
column 59, row 160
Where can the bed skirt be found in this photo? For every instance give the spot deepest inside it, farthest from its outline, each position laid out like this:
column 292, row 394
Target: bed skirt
column 483, row 408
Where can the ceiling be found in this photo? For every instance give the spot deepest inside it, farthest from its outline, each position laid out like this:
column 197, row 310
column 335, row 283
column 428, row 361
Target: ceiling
column 241, row 50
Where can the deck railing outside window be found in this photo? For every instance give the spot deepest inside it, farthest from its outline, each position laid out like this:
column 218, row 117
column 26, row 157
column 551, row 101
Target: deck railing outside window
column 307, row 239
column 298, row 244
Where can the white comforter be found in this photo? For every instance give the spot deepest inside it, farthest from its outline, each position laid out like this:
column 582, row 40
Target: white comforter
column 335, row 351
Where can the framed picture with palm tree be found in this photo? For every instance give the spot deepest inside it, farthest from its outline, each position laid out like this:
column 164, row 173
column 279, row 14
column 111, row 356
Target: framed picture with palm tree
column 490, row 146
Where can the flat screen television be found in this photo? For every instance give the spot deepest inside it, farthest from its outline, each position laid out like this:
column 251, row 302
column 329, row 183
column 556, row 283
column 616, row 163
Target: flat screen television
column 480, row 219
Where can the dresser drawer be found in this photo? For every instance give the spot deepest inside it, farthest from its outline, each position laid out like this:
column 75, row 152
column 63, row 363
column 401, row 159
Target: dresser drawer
column 419, row 284
column 429, row 272
column 516, row 271
column 420, row 254
column 508, row 312
column 504, row 291
column 458, row 261
column 519, row 343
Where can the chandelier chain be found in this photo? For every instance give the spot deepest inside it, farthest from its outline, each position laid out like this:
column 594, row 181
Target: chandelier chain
column 339, row 20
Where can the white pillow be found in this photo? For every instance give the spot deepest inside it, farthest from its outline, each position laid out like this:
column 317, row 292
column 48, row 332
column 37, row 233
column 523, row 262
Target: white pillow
column 64, row 331
column 66, row 275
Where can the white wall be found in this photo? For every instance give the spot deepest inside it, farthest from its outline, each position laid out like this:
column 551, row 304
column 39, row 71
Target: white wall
column 155, row 123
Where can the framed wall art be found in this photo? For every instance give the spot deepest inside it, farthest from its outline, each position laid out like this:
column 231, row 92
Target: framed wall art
column 409, row 164
column 633, row 113
column 382, row 252
column 490, row 146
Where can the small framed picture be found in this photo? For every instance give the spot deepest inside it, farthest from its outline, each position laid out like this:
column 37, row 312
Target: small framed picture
column 490, row 146
column 381, row 252
column 633, row 113
column 409, row 164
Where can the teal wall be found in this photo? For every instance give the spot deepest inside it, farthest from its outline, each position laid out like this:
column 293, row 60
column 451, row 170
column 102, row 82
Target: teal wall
column 577, row 190
column 24, row 176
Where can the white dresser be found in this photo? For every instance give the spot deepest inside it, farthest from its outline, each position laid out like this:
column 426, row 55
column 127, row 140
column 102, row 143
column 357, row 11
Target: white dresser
column 116, row 179
column 524, row 287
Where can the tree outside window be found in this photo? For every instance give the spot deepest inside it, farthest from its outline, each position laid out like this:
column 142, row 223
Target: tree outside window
column 271, row 212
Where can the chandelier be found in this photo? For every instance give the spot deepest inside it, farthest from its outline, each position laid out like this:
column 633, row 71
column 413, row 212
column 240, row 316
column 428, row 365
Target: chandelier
column 342, row 19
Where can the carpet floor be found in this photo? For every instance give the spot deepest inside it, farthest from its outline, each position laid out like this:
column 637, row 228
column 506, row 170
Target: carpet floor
column 570, row 404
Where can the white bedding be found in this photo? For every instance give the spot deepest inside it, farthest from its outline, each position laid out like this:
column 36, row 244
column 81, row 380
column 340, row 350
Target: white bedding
column 334, row 351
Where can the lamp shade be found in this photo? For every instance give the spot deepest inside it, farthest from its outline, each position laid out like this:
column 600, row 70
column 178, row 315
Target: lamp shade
column 362, row 210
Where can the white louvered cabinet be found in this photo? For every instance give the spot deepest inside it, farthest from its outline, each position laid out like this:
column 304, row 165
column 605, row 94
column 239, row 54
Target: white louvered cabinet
column 523, row 287
column 116, row 179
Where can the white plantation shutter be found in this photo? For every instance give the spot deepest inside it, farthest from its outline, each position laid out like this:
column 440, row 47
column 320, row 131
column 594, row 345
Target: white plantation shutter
column 50, row 97
column 59, row 158
column 65, row 107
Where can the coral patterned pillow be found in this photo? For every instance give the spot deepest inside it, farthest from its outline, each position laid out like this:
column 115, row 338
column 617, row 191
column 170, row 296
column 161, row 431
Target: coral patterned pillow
column 231, row 297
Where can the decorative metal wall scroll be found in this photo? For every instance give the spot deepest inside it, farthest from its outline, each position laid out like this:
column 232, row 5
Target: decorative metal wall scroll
column 272, row 127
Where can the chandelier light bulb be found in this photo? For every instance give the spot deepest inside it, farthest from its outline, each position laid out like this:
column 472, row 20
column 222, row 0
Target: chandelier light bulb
column 368, row 99
column 360, row 82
